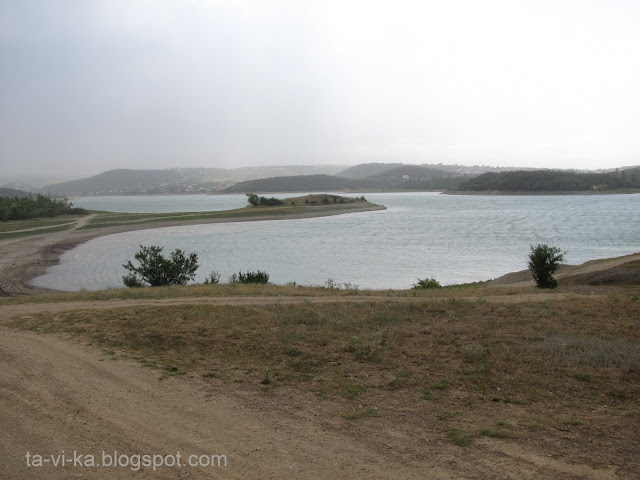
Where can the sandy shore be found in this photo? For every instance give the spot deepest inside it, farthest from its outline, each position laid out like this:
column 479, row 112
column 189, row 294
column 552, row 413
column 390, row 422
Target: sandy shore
column 23, row 259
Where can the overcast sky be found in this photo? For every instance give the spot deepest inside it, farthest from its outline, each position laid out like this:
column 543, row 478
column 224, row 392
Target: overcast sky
column 90, row 85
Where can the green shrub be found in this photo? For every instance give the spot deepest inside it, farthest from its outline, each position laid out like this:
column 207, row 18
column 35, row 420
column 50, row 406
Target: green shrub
column 543, row 262
column 249, row 277
column 256, row 201
column 253, row 199
column 155, row 270
column 427, row 283
column 212, row 279
column 270, row 201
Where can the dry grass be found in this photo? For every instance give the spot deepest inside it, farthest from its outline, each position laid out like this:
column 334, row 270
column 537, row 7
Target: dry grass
column 234, row 290
column 584, row 350
column 580, row 350
column 559, row 374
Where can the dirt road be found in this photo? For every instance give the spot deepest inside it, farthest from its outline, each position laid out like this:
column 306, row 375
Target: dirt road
column 57, row 395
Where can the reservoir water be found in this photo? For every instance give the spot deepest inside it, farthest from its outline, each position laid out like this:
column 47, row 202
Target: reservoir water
column 455, row 239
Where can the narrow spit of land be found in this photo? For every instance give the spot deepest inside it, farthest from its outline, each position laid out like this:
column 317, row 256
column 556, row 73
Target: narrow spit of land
column 27, row 248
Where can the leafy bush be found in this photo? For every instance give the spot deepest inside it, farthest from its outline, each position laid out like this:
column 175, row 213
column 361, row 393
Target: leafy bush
column 212, row 279
column 249, row 277
column 156, row 270
column 270, row 201
column 256, row 201
column 427, row 283
column 543, row 262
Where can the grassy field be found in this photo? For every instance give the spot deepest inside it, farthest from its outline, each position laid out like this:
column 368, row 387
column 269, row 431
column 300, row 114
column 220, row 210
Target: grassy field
column 269, row 290
column 461, row 366
column 564, row 359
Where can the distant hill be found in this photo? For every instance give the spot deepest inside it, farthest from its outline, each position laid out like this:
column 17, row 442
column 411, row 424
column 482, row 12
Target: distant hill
column 175, row 180
column 298, row 183
column 365, row 170
column 13, row 193
column 370, row 176
column 473, row 170
column 413, row 177
column 119, row 181
column 552, row 181
column 403, row 177
column 252, row 173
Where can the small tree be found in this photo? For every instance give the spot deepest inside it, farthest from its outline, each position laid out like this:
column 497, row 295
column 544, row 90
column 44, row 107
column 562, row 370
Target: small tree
column 156, row 270
column 543, row 262
column 253, row 199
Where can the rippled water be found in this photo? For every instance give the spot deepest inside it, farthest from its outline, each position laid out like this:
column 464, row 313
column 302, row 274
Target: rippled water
column 161, row 203
column 455, row 239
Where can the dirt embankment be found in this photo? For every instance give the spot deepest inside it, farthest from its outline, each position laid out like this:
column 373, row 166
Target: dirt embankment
column 623, row 270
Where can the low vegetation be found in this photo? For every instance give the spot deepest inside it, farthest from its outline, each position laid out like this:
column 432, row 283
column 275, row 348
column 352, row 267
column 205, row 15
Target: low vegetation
column 427, row 283
column 256, row 201
column 250, row 277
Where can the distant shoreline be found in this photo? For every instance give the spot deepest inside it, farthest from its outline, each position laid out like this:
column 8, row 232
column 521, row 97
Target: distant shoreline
column 544, row 192
column 374, row 191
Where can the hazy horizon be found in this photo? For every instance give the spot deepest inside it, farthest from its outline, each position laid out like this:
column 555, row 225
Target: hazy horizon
column 90, row 86
column 39, row 178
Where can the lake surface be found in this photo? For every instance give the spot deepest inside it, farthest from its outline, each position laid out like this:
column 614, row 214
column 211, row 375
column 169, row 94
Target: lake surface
column 455, row 239
column 161, row 203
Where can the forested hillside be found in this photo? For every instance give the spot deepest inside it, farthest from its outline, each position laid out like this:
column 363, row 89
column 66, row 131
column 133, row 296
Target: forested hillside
column 299, row 183
column 403, row 177
column 552, row 181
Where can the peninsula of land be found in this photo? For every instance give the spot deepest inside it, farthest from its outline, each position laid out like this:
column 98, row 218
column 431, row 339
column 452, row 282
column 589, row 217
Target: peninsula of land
column 28, row 248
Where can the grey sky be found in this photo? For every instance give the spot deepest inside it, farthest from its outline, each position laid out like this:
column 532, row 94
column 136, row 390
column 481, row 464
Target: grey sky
column 89, row 85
